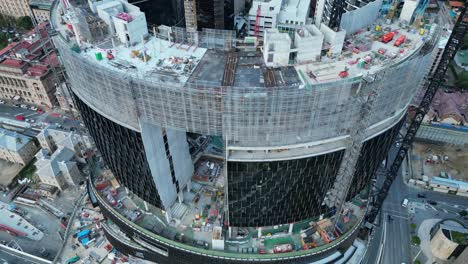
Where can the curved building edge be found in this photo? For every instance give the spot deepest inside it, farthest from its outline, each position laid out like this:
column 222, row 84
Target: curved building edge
column 173, row 252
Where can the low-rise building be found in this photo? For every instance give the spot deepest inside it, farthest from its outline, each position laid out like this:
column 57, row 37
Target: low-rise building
column 25, row 70
column 444, row 185
column 16, row 148
column 47, row 190
column 52, row 138
column 59, row 169
column 448, row 240
column 41, row 9
column 449, row 108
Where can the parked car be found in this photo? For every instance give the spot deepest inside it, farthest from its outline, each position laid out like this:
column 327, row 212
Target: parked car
column 24, row 106
column 421, row 195
column 431, row 202
column 33, row 108
column 405, row 203
column 2, row 102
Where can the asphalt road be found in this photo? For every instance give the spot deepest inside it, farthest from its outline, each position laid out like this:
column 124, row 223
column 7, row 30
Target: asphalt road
column 391, row 239
column 397, row 233
column 40, row 120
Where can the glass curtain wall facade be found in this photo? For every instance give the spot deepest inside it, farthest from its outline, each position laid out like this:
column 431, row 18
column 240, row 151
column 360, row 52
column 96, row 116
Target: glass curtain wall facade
column 123, row 151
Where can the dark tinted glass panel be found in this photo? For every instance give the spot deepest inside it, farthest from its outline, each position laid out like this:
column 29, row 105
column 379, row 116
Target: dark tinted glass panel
column 123, row 151
column 279, row 192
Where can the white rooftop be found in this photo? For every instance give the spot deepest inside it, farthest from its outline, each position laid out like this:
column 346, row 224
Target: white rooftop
column 294, row 9
column 19, row 224
column 327, row 71
column 167, row 61
column 12, row 141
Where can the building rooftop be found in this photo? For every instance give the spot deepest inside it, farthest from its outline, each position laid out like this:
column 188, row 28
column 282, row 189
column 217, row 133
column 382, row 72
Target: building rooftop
column 52, row 165
column 175, row 62
column 159, row 59
column 164, row 61
column 12, row 141
column 454, row 105
column 293, row 9
column 63, row 138
column 27, row 54
column 41, row 4
column 450, row 182
column 15, row 223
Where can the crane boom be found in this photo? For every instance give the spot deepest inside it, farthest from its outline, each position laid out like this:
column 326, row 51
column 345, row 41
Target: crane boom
column 434, row 82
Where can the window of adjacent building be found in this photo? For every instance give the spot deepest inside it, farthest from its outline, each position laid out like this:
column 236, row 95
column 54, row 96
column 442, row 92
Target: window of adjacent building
column 270, row 57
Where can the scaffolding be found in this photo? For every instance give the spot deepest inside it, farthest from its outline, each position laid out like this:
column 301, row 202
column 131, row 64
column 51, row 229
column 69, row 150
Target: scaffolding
column 208, row 38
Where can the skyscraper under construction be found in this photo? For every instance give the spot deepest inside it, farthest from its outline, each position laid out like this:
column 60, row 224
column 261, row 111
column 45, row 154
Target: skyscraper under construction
column 229, row 150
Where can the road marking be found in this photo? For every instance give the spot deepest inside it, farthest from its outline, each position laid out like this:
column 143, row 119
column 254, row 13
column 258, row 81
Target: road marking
column 402, row 217
column 379, row 256
column 396, row 212
column 417, row 255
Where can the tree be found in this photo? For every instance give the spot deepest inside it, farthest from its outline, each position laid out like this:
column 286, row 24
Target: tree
column 3, row 40
column 413, row 226
column 417, row 261
column 415, row 240
column 464, row 43
column 24, row 22
column 463, row 213
column 6, row 21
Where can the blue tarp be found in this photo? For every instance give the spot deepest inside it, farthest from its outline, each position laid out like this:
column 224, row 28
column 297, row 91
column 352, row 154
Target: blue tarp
column 83, row 233
column 85, row 241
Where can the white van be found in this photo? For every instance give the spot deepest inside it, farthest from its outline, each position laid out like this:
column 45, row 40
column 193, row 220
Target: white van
column 405, row 202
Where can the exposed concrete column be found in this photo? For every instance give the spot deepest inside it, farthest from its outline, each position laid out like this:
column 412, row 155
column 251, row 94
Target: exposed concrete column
column 168, row 216
column 290, row 228
column 259, row 232
column 180, row 196
column 229, row 232
column 146, row 206
column 189, row 185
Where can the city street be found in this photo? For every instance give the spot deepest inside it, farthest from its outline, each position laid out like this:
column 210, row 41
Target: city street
column 41, row 120
column 390, row 241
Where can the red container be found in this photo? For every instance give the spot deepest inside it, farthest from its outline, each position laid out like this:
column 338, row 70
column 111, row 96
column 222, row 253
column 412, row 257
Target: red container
column 20, row 117
column 388, row 37
column 400, row 40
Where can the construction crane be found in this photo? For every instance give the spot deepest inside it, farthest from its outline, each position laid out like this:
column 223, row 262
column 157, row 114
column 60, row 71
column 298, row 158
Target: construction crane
column 257, row 21
column 434, row 82
column 338, row 8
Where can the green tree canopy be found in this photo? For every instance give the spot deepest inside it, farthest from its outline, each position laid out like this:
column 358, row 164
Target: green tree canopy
column 415, row 240
column 24, row 22
column 3, row 40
